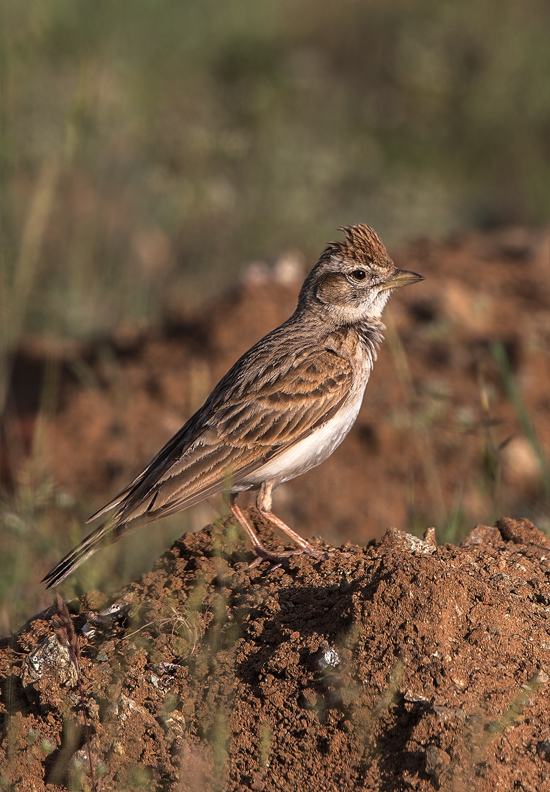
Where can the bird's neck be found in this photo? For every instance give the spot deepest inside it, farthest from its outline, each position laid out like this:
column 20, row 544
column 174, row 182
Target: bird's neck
column 348, row 340
column 371, row 334
column 364, row 338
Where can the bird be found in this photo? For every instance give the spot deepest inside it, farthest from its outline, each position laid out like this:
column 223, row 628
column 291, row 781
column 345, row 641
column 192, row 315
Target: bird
column 281, row 410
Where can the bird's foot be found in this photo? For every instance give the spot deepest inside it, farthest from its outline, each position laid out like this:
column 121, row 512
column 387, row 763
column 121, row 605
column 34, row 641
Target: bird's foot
column 304, row 547
column 279, row 558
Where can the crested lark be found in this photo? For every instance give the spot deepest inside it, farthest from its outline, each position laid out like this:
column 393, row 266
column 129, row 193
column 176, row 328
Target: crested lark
column 281, row 410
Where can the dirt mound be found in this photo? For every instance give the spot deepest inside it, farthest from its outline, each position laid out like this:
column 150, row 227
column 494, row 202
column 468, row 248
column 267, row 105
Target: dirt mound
column 399, row 666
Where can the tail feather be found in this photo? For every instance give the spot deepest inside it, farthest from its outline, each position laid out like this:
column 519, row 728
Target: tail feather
column 105, row 534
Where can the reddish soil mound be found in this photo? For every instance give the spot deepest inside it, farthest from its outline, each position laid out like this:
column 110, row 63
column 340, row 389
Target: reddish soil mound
column 393, row 667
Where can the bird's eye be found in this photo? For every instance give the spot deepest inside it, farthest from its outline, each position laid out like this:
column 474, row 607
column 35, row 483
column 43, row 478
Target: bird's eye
column 359, row 274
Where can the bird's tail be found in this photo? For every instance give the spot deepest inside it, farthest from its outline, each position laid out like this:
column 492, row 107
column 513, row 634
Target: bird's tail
column 105, row 534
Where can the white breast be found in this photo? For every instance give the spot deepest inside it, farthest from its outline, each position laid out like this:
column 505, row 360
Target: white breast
column 312, row 450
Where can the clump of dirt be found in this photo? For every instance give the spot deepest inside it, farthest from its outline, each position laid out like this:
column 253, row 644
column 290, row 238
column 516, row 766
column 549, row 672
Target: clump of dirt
column 400, row 666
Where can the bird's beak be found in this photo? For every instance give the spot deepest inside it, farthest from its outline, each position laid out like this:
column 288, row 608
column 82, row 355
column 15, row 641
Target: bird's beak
column 401, row 278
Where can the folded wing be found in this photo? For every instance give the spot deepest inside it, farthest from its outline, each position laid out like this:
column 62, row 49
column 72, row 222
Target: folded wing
column 236, row 434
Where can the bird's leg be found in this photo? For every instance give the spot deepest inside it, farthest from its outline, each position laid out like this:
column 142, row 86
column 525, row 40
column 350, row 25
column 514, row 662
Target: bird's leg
column 263, row 502
column 261, row 551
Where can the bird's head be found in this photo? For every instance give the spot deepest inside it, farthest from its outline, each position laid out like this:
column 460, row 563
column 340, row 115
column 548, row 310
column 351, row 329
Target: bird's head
column 353, row 278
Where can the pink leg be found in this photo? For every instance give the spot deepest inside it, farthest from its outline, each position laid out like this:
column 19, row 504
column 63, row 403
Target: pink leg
column 261, row 551
column 263, row 502
column 306, row 547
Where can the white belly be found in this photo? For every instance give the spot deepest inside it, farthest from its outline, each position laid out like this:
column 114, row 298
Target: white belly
column 310, row 451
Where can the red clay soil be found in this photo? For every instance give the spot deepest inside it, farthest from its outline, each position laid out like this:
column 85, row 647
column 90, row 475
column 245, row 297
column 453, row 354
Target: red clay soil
column 400, row 666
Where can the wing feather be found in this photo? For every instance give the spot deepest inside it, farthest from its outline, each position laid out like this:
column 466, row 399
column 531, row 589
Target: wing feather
column 237, row 431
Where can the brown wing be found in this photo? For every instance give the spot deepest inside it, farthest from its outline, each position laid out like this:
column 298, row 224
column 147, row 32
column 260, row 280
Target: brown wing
column 236, row 433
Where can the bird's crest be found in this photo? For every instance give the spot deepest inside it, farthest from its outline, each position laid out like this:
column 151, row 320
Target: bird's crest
column 361, row 244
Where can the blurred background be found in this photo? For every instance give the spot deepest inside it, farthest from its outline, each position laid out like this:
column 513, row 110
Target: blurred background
column 151, row 151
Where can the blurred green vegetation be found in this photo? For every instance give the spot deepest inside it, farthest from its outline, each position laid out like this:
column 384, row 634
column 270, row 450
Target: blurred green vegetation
column 150, row 149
